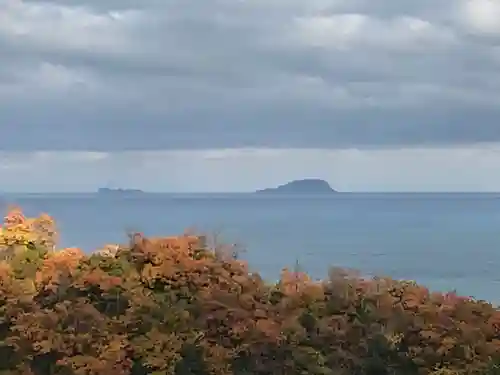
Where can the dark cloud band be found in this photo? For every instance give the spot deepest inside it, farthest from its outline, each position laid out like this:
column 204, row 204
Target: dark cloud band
column 108, row 75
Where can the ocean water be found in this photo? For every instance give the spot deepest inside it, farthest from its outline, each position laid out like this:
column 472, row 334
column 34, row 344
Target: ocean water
column 445, row 241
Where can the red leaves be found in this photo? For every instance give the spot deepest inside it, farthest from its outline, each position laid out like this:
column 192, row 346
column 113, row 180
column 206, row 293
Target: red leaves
column 100, row 279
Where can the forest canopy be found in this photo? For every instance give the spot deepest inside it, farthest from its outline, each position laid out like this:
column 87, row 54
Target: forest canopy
column 173, row 305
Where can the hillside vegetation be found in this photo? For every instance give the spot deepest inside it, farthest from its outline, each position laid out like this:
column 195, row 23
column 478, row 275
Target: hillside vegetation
column 173, row 306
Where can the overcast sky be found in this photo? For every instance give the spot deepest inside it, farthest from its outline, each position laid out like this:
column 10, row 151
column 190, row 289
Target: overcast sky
column 233, row 95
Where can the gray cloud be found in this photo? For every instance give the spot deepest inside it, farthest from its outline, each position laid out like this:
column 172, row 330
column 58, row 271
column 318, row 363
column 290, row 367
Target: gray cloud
column 171, row 74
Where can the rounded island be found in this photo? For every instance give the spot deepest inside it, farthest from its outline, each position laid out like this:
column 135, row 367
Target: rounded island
column 305, row 186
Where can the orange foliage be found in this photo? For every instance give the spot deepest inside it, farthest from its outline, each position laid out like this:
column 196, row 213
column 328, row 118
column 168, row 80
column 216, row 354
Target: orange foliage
column 171, row 305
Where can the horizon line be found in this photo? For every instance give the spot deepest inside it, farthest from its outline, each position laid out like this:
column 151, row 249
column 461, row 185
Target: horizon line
column 93, row 192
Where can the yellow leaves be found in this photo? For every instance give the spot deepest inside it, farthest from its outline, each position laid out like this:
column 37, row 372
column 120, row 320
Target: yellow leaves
column 25, row 232
column 394, row 339
column 18, row 235
column 445, row 371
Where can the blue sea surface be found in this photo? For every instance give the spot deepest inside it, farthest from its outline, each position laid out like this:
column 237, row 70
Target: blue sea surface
column 445, row 241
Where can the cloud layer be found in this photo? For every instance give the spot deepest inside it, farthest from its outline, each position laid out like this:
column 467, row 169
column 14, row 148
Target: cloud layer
column 171, row 74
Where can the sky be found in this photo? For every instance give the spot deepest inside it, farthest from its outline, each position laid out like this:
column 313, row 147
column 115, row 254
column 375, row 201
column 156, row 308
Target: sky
column 235, row 95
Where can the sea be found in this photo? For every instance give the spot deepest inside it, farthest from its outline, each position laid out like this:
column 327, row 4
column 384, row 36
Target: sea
column 447, row 242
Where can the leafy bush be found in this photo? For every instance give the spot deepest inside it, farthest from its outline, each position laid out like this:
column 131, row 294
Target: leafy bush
column 173, row 306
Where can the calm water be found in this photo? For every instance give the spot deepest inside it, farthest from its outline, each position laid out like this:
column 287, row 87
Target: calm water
column 446, row 241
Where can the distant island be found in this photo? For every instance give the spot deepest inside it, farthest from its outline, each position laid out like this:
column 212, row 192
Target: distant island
column 306, row 186
column 108, row 191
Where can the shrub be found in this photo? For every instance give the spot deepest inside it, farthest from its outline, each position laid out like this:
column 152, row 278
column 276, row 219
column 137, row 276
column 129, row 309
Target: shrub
column 174, row 306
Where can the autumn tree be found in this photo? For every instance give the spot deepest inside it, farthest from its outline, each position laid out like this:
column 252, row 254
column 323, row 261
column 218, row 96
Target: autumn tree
column 174, row 305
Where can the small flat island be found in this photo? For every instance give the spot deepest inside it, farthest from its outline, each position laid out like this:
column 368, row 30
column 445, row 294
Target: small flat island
column 108, row 191
column 305, row 186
